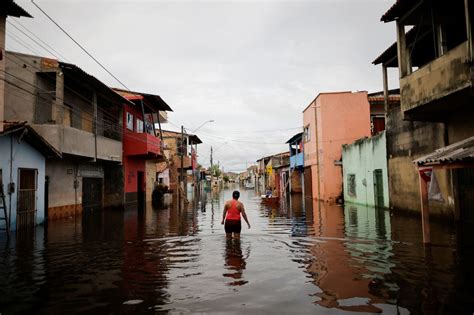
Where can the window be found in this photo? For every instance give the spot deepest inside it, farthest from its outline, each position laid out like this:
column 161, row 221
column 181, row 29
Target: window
column 129, row 121
column 351, row 185
column 139, row 125
column 307, row 134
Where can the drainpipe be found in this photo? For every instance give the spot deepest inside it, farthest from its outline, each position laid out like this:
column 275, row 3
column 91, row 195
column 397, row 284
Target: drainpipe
column 317, row 149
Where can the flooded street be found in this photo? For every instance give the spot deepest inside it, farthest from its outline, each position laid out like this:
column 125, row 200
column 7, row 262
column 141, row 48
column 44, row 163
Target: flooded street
column 302, row 258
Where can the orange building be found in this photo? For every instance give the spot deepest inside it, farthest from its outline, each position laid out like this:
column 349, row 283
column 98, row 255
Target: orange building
column 331, row 120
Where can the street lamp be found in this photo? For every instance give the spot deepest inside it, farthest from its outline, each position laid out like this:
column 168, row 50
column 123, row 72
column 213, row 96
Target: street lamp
column 208, row 121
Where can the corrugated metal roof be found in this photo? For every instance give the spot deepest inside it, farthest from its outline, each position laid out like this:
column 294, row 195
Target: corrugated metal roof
column 295, row 137
column 150, row 99
column 461, row 151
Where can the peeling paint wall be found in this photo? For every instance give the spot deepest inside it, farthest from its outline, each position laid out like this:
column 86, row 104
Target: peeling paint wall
column 360, row 159
column 407, row 141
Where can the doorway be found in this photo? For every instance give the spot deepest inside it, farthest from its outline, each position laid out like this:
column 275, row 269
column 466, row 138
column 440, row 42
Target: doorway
column 378, row 189
column 141, row 190
column 27, row 188
column 91, row 194
column 465, row 179
column 308, row 183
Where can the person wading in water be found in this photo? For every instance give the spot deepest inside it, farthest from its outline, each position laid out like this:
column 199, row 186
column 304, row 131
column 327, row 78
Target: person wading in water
column 232, row 210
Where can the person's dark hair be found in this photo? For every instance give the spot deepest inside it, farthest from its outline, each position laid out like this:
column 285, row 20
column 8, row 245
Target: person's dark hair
column 235, row 194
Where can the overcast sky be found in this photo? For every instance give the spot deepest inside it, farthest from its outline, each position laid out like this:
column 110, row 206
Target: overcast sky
column 251, row 66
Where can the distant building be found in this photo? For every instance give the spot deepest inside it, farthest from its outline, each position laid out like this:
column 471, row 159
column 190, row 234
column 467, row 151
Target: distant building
column 142, row 147
column 331, row 120
column 296, row 163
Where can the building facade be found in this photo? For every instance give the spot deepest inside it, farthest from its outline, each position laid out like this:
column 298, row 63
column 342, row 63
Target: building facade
column 296, row 172
column 365, row 172
column 331, row 120
column 81, row 118
column 23, row 180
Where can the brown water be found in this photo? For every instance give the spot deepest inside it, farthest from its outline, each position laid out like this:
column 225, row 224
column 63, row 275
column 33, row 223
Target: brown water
column 299, row 258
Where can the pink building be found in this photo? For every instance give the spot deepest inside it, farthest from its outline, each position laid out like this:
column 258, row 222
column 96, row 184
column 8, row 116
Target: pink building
column 331, row 120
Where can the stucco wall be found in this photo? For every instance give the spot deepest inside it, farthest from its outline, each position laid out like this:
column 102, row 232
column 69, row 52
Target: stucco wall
column 361, row 158
column 24, row 156
column 61, row 183
column 341, row 118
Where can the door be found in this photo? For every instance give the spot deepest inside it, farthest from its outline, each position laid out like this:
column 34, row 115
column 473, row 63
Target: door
column 466, row 204
column 378, row 188
column 91, row 194
column 141, row 191
column 308, row 183
column 26, row 207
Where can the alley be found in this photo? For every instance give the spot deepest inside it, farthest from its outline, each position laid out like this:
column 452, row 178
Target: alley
column 302, row 258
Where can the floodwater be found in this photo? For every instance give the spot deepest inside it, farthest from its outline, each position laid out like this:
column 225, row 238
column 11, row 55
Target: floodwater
column 297, row 258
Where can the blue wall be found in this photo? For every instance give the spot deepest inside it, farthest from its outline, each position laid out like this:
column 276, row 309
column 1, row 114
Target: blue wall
column 24, row 156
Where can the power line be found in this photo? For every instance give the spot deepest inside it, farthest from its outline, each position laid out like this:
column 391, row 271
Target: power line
column 39, row 39
column 80, row 46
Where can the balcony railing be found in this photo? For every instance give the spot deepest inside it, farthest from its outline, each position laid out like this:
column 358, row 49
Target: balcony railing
column 140, row 144
column 442, row 77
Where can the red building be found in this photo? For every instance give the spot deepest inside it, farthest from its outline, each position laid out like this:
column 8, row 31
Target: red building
column 142, row 149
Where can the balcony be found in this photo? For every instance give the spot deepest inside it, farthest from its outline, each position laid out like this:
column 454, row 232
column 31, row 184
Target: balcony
column 438, row 87
column 144, row 144
column 297, row 160
column 187, row 163
column 78, row 142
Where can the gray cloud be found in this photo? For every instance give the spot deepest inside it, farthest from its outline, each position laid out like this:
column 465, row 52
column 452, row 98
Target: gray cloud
column 249, row 65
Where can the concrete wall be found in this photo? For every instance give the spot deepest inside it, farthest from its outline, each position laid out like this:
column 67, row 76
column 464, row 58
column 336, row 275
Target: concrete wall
column 24, row 156
column 361, row 158
column 341, row 118
column 150, row 177
column 441, row 77
column 296, row 181
column 407, row 141
column 460, row 125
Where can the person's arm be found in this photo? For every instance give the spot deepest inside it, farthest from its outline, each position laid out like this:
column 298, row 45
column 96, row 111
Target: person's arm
column 225, row 211
column 244, row 215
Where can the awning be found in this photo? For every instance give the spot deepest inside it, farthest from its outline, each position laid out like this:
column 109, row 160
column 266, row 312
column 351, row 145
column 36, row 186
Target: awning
column 459, row 152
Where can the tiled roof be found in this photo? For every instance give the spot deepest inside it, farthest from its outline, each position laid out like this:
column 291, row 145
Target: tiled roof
column 462, row 151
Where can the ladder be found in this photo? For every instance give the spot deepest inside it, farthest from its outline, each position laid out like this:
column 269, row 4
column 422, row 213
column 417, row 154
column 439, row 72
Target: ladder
column 3, row 206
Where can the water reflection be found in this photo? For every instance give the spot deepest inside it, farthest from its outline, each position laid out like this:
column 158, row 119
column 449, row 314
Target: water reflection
column 235, row 262
column 305, row 257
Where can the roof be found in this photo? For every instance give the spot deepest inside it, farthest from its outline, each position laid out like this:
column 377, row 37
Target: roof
column 282, row 154
column 390, row 56
column 72, row 69
column 10, row 8
column 295, row 137
column 399, row 9
column 462, row 151
column 153, row 101
column 194, row 139
column 28, row 134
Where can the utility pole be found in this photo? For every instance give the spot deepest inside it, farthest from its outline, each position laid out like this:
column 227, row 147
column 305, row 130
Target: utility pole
column 212, row 171
column 181, row 171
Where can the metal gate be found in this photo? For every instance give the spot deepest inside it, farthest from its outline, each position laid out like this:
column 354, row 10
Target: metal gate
column 91, row 194
column 27, row 205
column 378, row 189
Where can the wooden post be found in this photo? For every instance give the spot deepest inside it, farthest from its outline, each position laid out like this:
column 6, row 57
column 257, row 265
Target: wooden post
column 425, row 211
column 468, row 28
column 385, row 88
column 402, row 50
